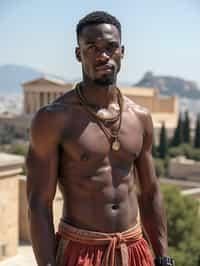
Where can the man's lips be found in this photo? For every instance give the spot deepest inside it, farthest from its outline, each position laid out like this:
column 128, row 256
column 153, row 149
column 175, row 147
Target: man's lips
column 104, row 68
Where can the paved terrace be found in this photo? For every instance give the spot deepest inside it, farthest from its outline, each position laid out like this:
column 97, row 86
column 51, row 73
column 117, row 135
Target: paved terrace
column 24, row 257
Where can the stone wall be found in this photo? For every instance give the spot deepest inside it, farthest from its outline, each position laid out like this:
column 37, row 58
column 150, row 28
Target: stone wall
column 57, row 208
column 144, row 101
column 10, row 167
column 183, row 168
column 166, row 104
column 9, row 216
column 23, row 211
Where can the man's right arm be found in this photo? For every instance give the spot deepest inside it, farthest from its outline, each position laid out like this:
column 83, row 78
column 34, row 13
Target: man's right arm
column 42, row 163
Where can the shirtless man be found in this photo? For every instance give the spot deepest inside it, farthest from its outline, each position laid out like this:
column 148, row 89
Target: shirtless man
column 93, row 142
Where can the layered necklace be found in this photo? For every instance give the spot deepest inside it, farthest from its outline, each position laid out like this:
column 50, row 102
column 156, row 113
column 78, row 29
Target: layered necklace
column 103, row 117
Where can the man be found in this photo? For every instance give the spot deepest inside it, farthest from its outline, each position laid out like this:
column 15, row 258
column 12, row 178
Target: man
column 93, row 142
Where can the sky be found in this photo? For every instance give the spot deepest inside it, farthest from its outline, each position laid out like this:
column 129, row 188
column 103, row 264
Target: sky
column 159, row 36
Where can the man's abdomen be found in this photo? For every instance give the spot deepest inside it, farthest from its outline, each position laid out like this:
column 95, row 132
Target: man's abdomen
column 105, row 209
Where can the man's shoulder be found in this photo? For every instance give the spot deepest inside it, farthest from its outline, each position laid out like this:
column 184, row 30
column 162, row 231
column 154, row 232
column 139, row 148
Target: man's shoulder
column 47, row 115
column 142, row 114
column 140, row 111
column 68, row 99
column 57, row 110
column 50, row 119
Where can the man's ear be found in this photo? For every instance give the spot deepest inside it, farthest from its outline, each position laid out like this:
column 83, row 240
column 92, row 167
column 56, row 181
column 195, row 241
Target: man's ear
column 78, row 54
column 122, row 51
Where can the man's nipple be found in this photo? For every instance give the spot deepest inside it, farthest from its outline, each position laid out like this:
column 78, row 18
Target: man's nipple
column 84, row 157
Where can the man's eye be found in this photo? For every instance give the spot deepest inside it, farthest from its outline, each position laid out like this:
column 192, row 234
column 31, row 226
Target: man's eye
column 112, row 47
column 91, row 47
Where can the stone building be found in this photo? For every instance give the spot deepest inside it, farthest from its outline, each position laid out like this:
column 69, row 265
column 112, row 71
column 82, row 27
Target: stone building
column 41, row 91
column 163, row 109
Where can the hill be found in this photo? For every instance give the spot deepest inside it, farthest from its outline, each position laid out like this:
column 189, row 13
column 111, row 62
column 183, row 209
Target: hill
column 12, row 76
column 169, row 85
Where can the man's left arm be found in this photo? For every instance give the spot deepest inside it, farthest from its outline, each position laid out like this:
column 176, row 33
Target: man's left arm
column 150, row 198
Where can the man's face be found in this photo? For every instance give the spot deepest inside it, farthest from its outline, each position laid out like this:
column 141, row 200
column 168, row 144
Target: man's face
column 100, row 53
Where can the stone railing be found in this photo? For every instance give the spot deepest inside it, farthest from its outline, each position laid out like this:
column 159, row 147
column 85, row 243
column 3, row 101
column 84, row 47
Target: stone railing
column 10, row 168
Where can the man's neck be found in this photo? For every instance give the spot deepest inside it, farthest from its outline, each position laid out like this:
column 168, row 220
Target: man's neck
column 99, row 95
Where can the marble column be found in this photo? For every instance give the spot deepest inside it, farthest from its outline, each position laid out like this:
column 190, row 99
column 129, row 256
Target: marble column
column 25, row 102
column 38, row 103
column 32, row 101
column 45, row 98
column 52, row 96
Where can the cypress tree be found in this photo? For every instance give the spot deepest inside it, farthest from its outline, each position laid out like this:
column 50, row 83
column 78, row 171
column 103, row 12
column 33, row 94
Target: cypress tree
column 178, row 133
column 163, row 146
column 154, row 149
column 197, row 133
column 186, row 128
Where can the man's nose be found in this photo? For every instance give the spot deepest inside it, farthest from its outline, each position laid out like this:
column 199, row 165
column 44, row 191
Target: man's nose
column 102, row 56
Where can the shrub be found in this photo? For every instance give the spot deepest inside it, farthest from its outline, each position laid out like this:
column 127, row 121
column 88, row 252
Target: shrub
column 159, row 167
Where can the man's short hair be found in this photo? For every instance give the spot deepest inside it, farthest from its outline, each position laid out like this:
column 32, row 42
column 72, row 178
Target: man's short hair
column 97, row 17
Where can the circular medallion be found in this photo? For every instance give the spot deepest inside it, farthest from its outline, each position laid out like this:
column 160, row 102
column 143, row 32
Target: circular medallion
column 115, row 145
column 104, row 114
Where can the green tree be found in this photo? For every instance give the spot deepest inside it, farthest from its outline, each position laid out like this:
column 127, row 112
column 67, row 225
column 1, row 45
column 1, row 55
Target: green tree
column 163, row 146
column 154, row 149
column 197, row 133
column 183, row 226
column 159, row 167
column 186, row 128
column 9, row 133
column 178, row 133
column 19, row 149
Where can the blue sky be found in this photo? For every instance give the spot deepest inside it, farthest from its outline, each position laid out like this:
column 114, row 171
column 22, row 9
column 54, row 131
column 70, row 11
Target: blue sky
column 161, row 36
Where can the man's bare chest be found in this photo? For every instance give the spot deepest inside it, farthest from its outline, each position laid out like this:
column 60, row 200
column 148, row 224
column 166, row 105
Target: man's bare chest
column 87, row 139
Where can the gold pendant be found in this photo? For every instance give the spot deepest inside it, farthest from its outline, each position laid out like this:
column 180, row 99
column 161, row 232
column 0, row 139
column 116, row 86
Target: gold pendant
column 116, row 145
column 104, row 114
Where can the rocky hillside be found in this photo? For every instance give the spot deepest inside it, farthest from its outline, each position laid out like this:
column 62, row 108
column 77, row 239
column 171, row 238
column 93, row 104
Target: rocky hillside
column 169, row 85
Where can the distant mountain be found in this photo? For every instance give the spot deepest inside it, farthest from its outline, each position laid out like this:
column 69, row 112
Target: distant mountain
column 169, row 85
column 12, row 76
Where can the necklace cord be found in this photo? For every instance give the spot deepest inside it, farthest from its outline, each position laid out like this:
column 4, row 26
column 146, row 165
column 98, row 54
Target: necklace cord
column 100, row 120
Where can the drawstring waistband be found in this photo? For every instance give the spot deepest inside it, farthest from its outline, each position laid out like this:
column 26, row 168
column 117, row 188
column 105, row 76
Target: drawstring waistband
column 113, row 241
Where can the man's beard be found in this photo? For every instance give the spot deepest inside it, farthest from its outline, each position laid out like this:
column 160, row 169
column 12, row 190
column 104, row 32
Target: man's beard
column 105, row 80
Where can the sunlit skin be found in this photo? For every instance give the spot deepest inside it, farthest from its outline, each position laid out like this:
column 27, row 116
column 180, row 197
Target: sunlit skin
column 68, row 148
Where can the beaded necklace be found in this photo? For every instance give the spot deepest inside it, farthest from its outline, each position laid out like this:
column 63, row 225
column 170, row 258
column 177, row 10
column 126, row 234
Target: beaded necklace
column 102, row 119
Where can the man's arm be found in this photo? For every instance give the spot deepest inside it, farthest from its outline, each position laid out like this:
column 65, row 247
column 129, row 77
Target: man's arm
column 150, row 198
column 42, row 163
